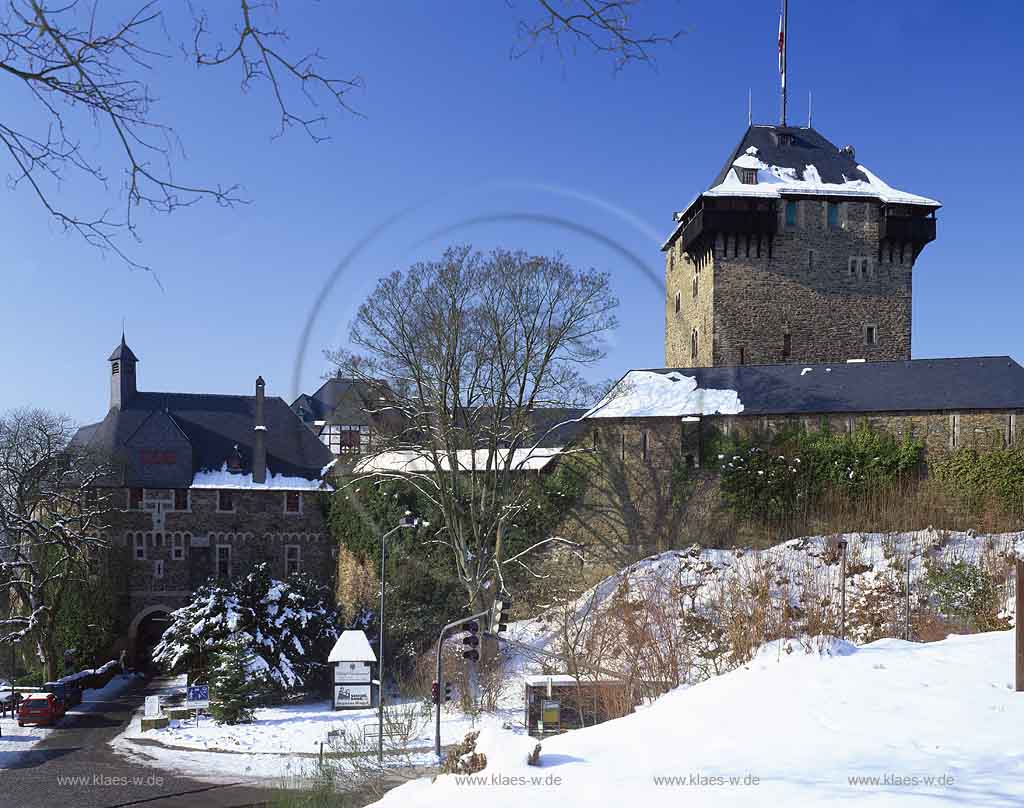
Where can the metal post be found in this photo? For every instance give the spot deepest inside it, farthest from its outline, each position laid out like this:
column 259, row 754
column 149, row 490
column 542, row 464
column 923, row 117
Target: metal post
column 440, row 680
column 1019, row 625
column 784, row 47
column 380, row 659
column 907, row 631
column 842, row 589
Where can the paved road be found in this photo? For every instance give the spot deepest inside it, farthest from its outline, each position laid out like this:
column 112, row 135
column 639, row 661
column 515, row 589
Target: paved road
column 75, row 768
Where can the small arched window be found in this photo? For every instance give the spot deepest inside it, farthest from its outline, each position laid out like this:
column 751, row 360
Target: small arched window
column 693, row 344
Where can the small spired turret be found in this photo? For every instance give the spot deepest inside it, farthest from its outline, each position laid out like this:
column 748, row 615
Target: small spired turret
column 122, row 375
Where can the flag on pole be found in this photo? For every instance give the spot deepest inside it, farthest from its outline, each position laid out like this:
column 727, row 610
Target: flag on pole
column 782, row 50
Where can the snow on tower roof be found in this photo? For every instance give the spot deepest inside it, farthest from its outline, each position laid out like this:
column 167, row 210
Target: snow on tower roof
column 352, row 646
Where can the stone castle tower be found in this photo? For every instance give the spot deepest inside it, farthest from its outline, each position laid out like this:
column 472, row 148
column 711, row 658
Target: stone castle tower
column 796, row 253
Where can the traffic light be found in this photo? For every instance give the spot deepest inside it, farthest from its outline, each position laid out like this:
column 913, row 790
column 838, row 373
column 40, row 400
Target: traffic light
column 435, row 692
column 499, row 614
column 471, row 641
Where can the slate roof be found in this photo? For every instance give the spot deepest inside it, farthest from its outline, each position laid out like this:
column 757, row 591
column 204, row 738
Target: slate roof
column 809, row 147
column 917, row 385
column 201, row 432
column 123, row 352
column 339, row 401
column 347, row 401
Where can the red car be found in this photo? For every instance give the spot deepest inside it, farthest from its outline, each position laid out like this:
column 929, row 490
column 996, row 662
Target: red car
column 40, row 708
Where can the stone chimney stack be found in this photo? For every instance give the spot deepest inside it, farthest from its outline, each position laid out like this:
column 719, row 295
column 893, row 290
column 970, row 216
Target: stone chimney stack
column 259, row 446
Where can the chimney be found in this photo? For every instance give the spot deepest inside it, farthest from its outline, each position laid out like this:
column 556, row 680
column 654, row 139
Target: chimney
column 259, row 446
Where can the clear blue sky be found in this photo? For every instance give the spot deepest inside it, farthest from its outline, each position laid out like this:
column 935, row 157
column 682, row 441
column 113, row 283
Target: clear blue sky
column 927, row 91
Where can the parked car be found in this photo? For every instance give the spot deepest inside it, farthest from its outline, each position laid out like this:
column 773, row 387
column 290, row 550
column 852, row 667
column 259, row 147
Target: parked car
column 39, row 708
column 69, row 693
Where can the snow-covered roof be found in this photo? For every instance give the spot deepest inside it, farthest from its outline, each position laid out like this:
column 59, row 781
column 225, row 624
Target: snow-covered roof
column 352, row 646
column 650, row 394
column 774, row 181
column 411, row 461
column 912, row 385
column 222, row 478
column 798, row 161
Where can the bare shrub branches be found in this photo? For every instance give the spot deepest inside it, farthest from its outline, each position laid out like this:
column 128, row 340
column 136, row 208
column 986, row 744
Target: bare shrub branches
column 604, row 26
column 84, row 70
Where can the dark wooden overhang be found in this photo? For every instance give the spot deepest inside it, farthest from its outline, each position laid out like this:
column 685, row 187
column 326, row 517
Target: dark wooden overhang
column 709, row 216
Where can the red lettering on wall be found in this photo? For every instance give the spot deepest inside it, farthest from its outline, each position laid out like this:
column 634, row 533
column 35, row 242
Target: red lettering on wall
column 152, row 457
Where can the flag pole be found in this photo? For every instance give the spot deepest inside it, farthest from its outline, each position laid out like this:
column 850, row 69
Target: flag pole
column 783, row 47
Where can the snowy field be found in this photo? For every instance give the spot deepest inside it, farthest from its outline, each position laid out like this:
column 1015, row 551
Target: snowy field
column 789, row 729
column 16, row 740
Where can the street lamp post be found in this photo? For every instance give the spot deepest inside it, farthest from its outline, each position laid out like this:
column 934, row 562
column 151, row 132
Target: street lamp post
column 408, row 522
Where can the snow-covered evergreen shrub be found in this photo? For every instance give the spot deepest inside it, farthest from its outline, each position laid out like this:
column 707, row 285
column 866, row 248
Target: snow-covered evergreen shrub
column 234, row 680
column 289, row 626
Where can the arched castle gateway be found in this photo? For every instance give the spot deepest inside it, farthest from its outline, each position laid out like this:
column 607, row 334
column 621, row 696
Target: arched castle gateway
column 205, row 486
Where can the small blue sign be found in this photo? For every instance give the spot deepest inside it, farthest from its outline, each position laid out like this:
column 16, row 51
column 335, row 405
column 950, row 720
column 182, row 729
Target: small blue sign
column 197, row 696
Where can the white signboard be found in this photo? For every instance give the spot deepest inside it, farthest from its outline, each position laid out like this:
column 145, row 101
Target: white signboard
column 351, row 673
column 152, row 706
column 352, row 695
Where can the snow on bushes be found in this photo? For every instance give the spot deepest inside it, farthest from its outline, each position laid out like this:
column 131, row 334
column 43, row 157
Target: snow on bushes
column 288, row 626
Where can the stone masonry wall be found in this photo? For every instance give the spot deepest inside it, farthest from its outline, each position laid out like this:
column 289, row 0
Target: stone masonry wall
column 807, row 288
column 257, row 530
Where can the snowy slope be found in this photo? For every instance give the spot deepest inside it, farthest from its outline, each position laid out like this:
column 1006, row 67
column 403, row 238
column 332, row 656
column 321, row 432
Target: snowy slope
column 802, row 724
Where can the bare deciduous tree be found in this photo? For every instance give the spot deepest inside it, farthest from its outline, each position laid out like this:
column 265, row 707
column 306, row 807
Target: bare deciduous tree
column 464, row 352
column 605, row 26
column 84, row 66
column 51, row 524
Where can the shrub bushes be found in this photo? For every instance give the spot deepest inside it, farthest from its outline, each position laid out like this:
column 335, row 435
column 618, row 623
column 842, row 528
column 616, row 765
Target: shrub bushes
column 769, row 478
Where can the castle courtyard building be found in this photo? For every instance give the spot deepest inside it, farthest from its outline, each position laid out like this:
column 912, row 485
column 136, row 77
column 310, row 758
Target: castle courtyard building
column 204, row 486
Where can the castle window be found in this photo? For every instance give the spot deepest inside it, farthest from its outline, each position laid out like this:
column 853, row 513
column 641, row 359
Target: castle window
column 691, row 461
column 135, row 499
column 810, row 259
column 748, row 176
column 226, row 501
column 679, row 302
column 695, row 284
column 791, row 213
column 158, row 539
column 158, row 568
column 785, row 139
column 140, row 547
column 787, row 345
column 742, row 355
column 833, row 214
column 292, row 559
column 864, row 267
column 292, row 502
column 693, row 344
column 643, row 445
column 870, row 334
column 954, row 431
column 223, row 560
column 115, row 368
column 181, row 499
column 178, row 547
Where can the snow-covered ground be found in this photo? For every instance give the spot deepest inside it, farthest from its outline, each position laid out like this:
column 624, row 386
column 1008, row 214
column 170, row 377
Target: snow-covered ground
column 788, row 729
column 274, row 744
column 17, row 740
